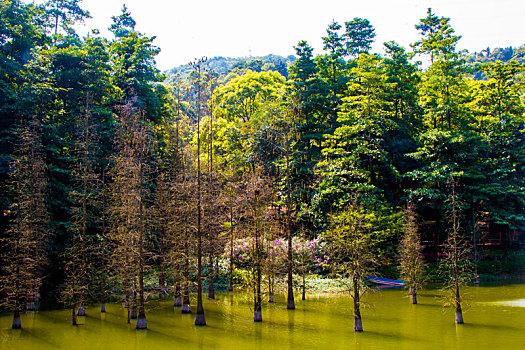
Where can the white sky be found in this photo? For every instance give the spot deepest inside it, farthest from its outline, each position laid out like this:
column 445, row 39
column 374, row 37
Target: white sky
column 190, row 29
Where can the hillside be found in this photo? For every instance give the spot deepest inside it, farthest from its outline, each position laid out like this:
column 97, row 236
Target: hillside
column 502, row 54
column 224, row 65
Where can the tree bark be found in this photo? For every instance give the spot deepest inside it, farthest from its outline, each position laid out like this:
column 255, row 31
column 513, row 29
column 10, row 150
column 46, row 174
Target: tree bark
column 74, row 317
column 177, row 302
column 358, row 325
column 290, row 302
column 211, row 290
column 459, row 312
column 17, row 324
column 186, row 307
column 200, row 320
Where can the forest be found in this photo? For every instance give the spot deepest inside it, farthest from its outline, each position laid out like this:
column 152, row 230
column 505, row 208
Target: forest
column 121, row 184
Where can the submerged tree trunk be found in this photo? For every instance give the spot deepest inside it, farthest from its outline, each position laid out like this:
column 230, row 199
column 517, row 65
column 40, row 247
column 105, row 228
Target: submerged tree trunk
column 358, row 324
column 290, row 302
column 74, row 317
column 304, row 287
column 102, row 294
column 270, row 289
column 459, row 312
column 257, row 309
column 134, row 306
column 17, row 323
column 200, row 319
column 230, row 287
column 162, row 280
column 186, row 307
column 177, row 302
column 414, row 297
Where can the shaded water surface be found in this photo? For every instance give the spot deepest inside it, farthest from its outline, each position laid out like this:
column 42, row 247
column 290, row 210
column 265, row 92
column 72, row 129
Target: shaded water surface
column 495, row 319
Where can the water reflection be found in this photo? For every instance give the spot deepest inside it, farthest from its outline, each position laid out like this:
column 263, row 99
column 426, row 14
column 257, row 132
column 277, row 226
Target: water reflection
column 320, row 322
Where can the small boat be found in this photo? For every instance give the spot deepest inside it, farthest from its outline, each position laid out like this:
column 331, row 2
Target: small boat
column 386, row 281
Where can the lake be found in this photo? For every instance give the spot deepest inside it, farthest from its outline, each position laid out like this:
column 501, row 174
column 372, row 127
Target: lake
column 495, row 319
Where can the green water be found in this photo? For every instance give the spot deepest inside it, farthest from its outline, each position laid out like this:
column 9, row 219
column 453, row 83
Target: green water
column 494, row 320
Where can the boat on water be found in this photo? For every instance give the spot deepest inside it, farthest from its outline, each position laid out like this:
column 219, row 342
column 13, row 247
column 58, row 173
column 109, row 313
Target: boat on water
column 386, row 281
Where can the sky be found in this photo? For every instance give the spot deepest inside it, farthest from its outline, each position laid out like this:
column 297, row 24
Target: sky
column 190, row 29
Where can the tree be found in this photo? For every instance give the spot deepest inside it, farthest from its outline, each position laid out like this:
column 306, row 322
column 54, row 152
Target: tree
column 354, row 234
column 411, row 254
column 132, row 176
column 305, row 99
column 257, row 196
column 456, row 264
column 78, row 255
column 359, row 36
column 27, row 235
column 357, row 158
column 123, row 24
column 64, row 14
column 199, row 84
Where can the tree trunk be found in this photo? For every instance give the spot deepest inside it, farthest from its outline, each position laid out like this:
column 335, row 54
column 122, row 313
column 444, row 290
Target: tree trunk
column 230, row 287
column 141, row 320
column 304, row 287
column 414, row 297
column 257, row 310
column 162, row 280
column 290, row 302
column 102, row 295
column 270, row 289
column 74, row 317
column 211, row 290
column 177, row 302
column 186, row 307
column 358, row 325
column 200, row 320
column 459, row 312
column 17, row 324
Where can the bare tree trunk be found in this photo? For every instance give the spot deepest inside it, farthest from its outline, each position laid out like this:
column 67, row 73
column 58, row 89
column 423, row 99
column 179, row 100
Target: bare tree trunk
column 200, row 320
column 358, row 325
column 459, row 312
column 290, row 302
column 257, row 310
column 102, row 293
column 177, row 302
column 17, row 324
column 186, row 307
column 211, row 290
column 230, row 287
column 141, row 320
column 304, row 287
column 162, row 280
column 270, row 288
column 74, row 317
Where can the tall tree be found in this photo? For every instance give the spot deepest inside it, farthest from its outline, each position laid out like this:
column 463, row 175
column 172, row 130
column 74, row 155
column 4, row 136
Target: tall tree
column 456, row 265
column 354, row 236
column 132, row 176
column 411, row 254
column 359, row 36
column 27, row 235
column 64, row 14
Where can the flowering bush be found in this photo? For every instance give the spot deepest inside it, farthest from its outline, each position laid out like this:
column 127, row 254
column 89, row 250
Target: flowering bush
column 308, row 255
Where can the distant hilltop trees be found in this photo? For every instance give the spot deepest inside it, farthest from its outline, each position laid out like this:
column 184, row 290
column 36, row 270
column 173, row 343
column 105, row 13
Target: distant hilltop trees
column 225, row 65
column 492, row 55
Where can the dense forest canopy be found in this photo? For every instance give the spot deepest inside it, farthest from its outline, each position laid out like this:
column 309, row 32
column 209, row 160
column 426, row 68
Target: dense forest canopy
column 117, row 180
